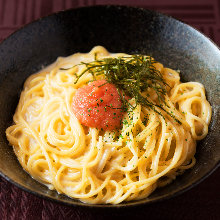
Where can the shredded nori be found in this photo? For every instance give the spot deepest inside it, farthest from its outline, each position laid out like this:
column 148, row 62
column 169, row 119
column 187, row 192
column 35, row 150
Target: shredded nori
column 131, row 75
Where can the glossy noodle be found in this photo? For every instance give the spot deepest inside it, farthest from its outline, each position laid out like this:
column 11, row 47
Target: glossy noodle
column 97, row 166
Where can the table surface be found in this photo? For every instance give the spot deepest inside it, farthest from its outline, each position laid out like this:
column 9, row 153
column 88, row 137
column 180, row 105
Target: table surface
column 201, row 202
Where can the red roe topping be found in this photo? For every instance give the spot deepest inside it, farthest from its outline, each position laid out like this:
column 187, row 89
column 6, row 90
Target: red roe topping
column 98, row 105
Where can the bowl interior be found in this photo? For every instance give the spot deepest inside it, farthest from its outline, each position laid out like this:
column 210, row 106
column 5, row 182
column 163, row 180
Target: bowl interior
column 119, row 29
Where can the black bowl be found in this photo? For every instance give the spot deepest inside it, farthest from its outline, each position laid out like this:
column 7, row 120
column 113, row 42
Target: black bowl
column 119, row 29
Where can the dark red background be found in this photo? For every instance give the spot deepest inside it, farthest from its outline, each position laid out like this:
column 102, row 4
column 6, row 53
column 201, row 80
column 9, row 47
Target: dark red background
column 201, row 202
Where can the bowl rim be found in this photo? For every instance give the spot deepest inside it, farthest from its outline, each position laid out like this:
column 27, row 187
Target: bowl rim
column 75, row 202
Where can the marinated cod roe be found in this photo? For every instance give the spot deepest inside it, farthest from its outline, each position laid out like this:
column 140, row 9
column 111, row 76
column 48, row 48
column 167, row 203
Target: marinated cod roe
column 98, row 105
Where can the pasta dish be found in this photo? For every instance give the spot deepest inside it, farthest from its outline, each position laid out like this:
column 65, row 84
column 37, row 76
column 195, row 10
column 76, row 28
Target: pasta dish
column 108, row 127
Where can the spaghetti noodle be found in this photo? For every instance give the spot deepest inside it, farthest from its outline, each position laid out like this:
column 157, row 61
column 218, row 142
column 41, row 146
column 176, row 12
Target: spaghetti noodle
column 105, row 166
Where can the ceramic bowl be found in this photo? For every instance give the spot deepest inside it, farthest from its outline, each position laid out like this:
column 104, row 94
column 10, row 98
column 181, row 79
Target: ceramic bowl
column 119, row 29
